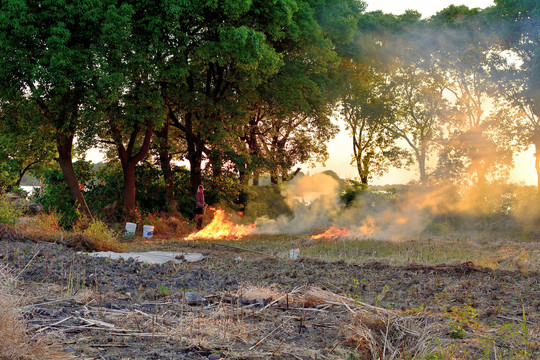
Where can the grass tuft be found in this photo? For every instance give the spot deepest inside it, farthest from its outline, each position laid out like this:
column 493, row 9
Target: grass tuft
column 15, row 343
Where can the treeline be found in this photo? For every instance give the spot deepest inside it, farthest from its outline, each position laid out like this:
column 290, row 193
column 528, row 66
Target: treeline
column 245, row 88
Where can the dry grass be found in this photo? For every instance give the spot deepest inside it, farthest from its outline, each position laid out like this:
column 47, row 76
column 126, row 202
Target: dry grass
column 167, row 225
column 388, row 336
column 15, row 343
column 86, row 236
column 487, row 250
column 41, row 226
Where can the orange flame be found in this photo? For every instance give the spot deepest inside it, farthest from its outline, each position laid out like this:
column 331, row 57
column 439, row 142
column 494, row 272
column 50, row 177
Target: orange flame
column 332, row 233
column 222, row 228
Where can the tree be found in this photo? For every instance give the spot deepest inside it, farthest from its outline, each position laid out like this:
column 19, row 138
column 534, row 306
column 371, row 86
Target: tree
column 462, row 58
column 419, row 109
column 367, row 113
column 289, row 116
column 46, row 55
column 136, row 53
column 226, row 53
column 367, row 95
column 518, row 75
column 26, row 140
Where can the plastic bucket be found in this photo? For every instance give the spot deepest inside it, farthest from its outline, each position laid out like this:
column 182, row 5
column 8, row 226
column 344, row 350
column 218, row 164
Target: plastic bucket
column 130, row 228
column 147, row 231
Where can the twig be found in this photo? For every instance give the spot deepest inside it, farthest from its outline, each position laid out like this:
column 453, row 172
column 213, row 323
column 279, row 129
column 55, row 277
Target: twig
column 296, row 289
column 109, row 345
column 26, row 308
column 32, row 259
column 270, row 333
column 97, row 322
column 508, row 318
column 282, row 341
column 347, row 306
column 51, row 325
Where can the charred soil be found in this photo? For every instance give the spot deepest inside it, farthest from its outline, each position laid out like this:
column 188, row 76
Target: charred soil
column 238, row 304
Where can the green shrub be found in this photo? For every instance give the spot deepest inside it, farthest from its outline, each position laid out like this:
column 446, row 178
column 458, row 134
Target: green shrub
column 266, row 200
column 102, row 237
column 56, row 198
column 351, row 190
column 9, row 212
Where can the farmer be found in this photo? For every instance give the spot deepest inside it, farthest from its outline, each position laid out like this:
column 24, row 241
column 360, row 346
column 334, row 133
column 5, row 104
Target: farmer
column 200, row 206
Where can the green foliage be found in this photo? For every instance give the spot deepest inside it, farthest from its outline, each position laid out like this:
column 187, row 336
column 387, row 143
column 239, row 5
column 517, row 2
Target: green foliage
column 267, row 201
column 8, row 177
column 27, row 143
column 102, row 237
column 351, row 190
column 9, row 212
column 55, row 195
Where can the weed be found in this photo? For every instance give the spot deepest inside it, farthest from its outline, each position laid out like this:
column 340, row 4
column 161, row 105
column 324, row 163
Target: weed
column 9, row 212
column 102, row 237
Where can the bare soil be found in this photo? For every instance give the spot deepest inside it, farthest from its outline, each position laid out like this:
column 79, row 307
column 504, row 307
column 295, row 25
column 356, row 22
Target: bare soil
column 239, row 304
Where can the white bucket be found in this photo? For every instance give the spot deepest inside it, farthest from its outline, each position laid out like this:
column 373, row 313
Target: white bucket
column 294, row 253
column 147, row 231
column 130, row 228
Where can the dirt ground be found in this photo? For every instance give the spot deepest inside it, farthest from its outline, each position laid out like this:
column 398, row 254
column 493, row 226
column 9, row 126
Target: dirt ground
column 240, row 304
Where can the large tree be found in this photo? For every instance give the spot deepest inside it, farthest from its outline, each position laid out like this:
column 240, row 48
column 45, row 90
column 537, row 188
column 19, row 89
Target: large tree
column 27, row 142
column 460, row 44
column 419, row 109
column 46, row 55
column 366, row 110
column 368, row 98
column 518, row 75
column 136, row 44
column 226, row 53
column 289, row 116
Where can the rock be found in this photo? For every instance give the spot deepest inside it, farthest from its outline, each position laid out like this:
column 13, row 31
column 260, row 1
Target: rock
column 193, row 298
column 34, row 208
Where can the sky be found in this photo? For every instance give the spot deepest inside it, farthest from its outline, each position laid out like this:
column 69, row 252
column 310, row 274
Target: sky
column 340, row 148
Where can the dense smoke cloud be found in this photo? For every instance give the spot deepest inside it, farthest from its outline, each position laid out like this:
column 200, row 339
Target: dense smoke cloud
column 395, row 215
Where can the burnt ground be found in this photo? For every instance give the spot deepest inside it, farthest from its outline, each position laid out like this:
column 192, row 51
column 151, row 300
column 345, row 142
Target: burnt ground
column 245, row 305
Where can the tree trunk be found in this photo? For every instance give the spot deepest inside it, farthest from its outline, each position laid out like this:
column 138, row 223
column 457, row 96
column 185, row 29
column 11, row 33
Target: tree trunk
column 243, row 174
column 195, row 159
column 165, row 163
column 422, row 168
column 216, row 162
column 274, row 178
column 362, row 165
column 129, row 187
column 23, row 171
column 537, row 167
column 64, row 144
column 129, row 160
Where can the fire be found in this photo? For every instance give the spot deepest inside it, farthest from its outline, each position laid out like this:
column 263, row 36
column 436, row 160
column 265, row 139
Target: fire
column 222, row 228
column 332, row 233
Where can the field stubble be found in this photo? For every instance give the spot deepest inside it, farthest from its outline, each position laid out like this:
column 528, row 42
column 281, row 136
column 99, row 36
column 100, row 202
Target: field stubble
column 448, row 298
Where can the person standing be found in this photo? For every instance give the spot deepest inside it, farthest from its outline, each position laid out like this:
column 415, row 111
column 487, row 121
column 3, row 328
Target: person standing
column 200, row 206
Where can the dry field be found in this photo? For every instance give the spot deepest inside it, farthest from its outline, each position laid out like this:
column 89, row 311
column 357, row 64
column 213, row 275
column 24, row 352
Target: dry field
column 463, row 297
